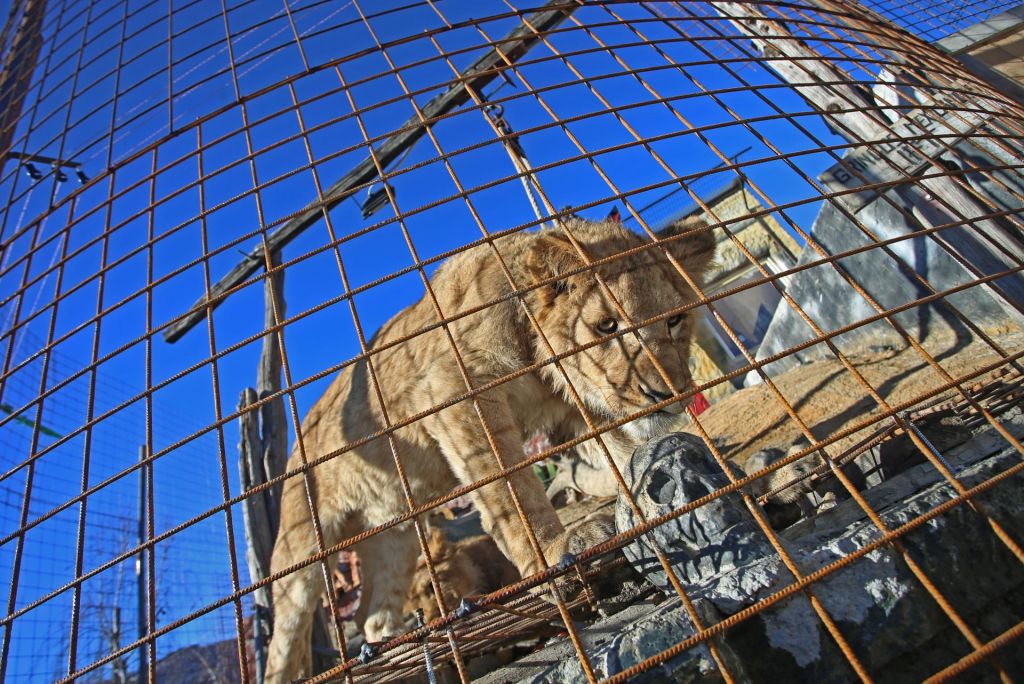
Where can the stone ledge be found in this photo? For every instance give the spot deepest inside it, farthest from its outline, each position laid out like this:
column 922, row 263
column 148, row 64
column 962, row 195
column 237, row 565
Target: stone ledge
column 896, row 629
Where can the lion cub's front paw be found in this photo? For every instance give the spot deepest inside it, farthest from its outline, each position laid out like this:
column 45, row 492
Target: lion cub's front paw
column 592, row 530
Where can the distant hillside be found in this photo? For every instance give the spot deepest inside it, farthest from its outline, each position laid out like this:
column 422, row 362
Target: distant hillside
column 215, row 663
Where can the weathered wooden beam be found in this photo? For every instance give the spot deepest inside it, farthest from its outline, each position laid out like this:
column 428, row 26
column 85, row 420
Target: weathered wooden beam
column 484, row 70
column 262, row 456
column 18, row 66
column 819, row 81
column 140, row 564
column 273, row 418
column 259, row 542
column 891, row 162
column 852, row 112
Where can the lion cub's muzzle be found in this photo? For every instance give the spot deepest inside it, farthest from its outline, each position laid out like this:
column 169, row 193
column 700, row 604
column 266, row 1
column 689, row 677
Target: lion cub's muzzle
column 655, row 396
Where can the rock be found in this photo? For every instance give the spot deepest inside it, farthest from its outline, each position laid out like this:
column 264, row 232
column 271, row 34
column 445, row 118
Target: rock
column 892, row 623
column 666, row 474
column 614, row 644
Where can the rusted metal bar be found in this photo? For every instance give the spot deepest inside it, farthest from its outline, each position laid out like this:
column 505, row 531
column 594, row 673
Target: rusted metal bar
column 566, row 41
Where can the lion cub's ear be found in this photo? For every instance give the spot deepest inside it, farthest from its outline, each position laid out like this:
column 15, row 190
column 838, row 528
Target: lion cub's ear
column 552, row 255
column 694, row 250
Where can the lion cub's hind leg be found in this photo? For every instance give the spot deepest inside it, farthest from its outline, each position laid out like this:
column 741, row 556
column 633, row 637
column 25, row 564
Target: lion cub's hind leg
column 295, row 597
column 387, row 564
column 297, row 593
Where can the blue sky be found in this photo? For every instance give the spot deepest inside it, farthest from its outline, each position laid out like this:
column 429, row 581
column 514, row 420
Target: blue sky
column 89, row 112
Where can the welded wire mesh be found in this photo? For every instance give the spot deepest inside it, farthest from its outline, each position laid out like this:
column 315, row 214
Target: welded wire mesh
column 933, row 21
column 164, row 160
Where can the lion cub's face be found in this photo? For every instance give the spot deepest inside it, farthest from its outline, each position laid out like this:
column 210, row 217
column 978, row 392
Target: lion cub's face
column 617, row 377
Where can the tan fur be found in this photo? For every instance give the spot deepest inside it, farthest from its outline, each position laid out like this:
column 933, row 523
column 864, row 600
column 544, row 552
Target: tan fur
column 467, row 567
column 361, row 488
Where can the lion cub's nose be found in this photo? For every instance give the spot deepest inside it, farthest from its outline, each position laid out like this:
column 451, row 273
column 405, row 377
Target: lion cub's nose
column 654, row 395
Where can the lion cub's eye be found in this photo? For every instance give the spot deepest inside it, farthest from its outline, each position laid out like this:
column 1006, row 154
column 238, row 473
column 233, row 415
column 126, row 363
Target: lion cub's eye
column 607, row 326
column 675, row 320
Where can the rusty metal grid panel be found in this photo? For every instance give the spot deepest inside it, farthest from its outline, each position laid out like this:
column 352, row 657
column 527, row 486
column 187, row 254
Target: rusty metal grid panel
column 932, row 20
column 193, row 190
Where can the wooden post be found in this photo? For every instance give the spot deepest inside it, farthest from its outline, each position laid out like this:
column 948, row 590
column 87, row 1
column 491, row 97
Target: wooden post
column 262, row 455
column 119, row 666
column 833, row 92
column 140, row 565
column 19, row 63
column 259, row 539
column 852, row 112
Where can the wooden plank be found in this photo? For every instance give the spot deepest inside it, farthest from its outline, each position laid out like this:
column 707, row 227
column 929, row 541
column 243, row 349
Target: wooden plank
column 273, row 419
column 19, row 65
column 823, row 85
column 853, row 113
column 484, row 70
column 887, row 162
column 984, row 32
column 262, row 456
column 259, row 542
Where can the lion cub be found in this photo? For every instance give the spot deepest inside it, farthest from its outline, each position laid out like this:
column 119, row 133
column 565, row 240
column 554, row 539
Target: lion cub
column 467, row 567
column 462, row 442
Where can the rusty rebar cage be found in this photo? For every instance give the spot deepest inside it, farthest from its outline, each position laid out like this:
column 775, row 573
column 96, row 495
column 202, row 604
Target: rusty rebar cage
column 358, row 146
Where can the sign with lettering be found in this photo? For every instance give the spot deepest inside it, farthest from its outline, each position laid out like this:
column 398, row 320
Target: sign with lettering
column 904, row 153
